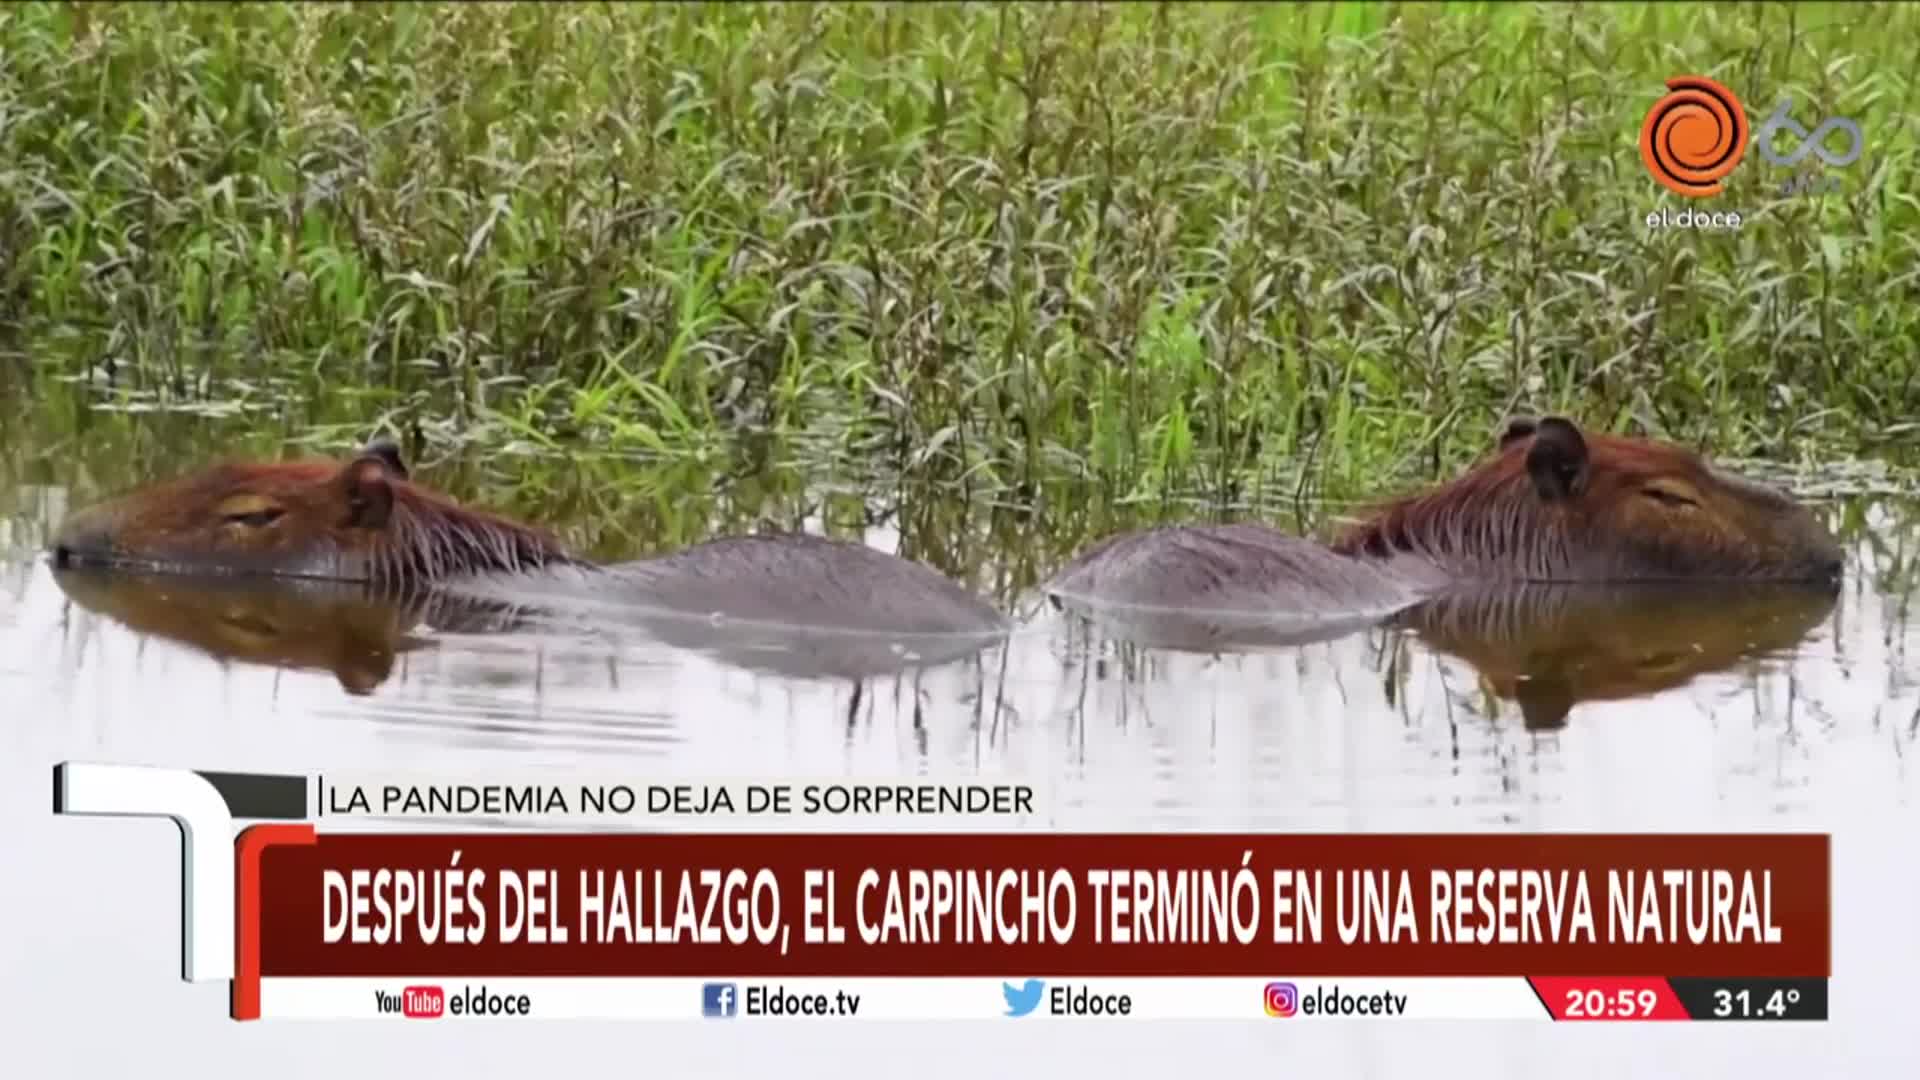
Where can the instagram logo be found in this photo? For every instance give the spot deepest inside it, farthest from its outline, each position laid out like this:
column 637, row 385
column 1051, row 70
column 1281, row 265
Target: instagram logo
column 1282, row 999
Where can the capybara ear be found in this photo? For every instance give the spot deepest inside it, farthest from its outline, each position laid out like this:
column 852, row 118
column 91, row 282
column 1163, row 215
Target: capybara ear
column 368, row 495
column 1557, row 460
column 387, row 451
column 1518, row 427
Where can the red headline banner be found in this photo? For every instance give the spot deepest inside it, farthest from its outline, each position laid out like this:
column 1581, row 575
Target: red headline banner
column 610, row 904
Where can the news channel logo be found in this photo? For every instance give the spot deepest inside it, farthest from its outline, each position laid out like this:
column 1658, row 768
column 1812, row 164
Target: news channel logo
column 1024, row 998
column 1282, row 999
column 719, row 999
column 1695, row 135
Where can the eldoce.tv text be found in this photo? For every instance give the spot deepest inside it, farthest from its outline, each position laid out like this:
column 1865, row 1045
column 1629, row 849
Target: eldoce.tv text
column 778, row 1001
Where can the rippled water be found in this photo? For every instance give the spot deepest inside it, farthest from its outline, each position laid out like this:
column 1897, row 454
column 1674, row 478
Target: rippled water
column 1717, row 710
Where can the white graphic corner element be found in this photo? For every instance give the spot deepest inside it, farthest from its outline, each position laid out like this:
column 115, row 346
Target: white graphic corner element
column 206, row 846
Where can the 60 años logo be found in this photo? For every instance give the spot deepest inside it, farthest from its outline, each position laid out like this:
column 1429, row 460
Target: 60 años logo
column 1810, row 143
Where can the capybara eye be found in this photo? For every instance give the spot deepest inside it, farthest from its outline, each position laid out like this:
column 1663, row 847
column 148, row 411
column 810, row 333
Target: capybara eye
column 256, row 519
column 250, row 510
column 1670, row 497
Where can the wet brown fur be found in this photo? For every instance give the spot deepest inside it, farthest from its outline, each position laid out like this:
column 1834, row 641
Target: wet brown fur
column 367, row 521
column 1553, row 504
column 1550, row 505
column 361, row 521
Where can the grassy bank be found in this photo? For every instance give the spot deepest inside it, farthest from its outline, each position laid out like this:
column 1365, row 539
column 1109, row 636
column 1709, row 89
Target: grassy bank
column 1074, row 257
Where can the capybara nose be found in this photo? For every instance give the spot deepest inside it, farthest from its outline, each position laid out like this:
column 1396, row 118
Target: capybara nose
column 1825, row 555
column 1832, row 562
column 84, row 536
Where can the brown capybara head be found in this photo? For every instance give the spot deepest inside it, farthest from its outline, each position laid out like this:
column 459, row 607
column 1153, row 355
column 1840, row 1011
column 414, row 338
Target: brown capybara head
column 361, row 520
column 1554, row 504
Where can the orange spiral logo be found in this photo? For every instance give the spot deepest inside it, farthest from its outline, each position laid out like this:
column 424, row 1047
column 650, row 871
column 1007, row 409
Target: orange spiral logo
column 1694, row 136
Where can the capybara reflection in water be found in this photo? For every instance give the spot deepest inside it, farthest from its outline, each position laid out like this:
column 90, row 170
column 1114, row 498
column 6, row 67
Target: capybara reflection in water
column 336, row 626
column 1548, row 648
column 358, row 633
column 1552, row 505
column 368, row 520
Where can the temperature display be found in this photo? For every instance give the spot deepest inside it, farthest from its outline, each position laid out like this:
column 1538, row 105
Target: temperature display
column 1752, row 999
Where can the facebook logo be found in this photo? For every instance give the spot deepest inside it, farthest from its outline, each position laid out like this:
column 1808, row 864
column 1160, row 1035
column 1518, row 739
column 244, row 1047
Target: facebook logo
column 718, row 999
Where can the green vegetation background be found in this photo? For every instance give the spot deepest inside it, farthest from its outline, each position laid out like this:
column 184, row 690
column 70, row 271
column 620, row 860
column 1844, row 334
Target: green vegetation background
column 649, row 271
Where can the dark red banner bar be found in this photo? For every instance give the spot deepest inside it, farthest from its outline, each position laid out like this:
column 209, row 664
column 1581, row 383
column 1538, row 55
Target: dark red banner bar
column 614, row 904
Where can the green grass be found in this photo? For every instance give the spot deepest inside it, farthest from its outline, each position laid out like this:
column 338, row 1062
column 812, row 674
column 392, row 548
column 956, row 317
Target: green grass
column 645, row 267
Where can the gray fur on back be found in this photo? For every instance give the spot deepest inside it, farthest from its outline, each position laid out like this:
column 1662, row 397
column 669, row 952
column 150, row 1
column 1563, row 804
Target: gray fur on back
column 799, row 579
column 1236, row 568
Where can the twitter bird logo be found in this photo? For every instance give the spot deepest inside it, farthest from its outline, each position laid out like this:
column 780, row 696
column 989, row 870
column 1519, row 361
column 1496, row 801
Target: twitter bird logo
column 1023, row 999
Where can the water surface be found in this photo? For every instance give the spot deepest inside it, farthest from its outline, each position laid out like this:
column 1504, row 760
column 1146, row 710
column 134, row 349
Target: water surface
column 1660, row 710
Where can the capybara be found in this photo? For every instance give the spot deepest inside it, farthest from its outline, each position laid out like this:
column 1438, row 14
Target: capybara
column 1551, row 504
column 1230, row 588
column 357, row 631
column 1555, row 505
column 368, row 520
column 361, row 520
